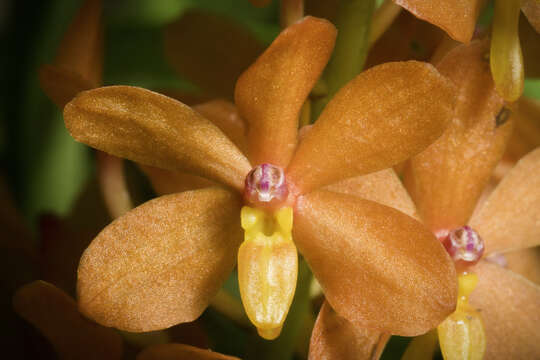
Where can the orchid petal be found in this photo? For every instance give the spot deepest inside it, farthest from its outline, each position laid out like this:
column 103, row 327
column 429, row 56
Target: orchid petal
column 169, row 182
column 510, row 308
column 56, row 316
column 531, row 9
column 223, row 114
column 335, row 338
column 510, row 217
column 78, row 63
column 378, row 267
column 155, row 130
column 526, row 134
column 447, row 179
column 525, row 262
column 161, row 263
column 180, row 352
column 383, row 116
column 457, row 18
column 194, row 43
column 382, row 186
column 270, row 94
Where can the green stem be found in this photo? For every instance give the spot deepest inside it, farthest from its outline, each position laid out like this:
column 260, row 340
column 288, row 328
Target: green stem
column 353, row 23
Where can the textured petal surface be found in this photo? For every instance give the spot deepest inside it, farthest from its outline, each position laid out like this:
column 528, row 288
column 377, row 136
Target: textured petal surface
column 335, row 338
column 155, row 130
column 510, row 308
column 180, row 352
column 457, row 17
column 378, row 267
column 56, row 316
column 383, row 116
column 161, row 263
column 211, row 51
column 270, row 94
column 382, row 186
column 78, row 63
column 510, row 217
column 446, row 179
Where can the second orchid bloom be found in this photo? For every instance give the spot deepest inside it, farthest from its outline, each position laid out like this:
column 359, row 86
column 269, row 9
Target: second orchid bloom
column 161, row 263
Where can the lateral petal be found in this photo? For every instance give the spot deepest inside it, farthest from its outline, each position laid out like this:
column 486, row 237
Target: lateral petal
column 56, row 316
column 447, row 179
column 180, row 352
column 161, row 263
column 271, row 92
column 510, row 217
column 383, row 116
column 510, row 308
column 382, row 186
column 335, row 338
column 457, row 18
column 155, row 130
column 210, row 50
column 378, row 267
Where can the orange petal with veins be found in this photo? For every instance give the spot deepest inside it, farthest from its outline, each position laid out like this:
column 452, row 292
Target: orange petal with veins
column 78, row 65
column 457, row 18
column 510, row 217
column 56, row 316
column 270, row 94
column 221, row 113
column 383, row 116
column 510, row 309
column 155, row 130
column 447, row 179
column 210, row 50
column 335, row 338
column 162, row 262
column 382, row 186
column 378, row 267
column 180, row 352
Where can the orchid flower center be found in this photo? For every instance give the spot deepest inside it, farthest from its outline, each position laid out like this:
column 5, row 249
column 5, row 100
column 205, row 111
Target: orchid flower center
column 464, row 245
column 265, row 186
column 267, row 259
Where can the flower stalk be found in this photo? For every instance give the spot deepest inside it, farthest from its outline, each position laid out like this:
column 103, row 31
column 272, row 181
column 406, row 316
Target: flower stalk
column 352, row 45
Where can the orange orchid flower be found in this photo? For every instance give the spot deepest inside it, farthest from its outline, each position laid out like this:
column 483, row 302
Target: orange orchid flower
column 161, row 263
column 446, row 181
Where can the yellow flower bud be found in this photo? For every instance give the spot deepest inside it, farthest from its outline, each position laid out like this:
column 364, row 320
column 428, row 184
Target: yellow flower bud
column 267, row 268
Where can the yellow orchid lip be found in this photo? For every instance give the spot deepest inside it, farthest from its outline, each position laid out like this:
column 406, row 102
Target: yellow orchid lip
column 267, row 268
